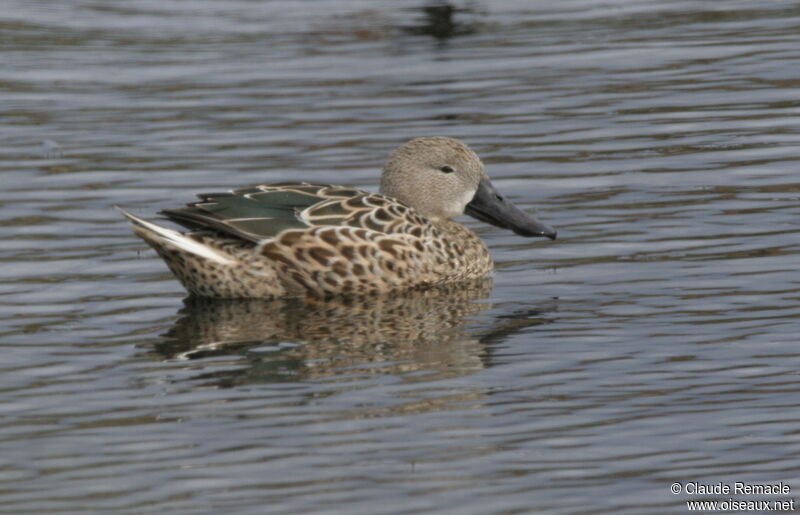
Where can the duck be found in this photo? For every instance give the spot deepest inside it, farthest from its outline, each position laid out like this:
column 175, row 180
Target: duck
column 298, row 239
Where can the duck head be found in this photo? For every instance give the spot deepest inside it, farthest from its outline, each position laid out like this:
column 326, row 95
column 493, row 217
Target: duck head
column 442, row 178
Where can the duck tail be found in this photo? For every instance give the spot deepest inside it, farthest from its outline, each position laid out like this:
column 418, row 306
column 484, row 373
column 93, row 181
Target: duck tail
column 161, row 238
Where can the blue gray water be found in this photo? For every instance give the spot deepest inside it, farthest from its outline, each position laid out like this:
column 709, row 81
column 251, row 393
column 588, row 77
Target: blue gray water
column 655, row 341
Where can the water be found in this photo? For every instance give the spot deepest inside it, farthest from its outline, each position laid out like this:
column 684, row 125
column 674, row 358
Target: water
column 655, row 341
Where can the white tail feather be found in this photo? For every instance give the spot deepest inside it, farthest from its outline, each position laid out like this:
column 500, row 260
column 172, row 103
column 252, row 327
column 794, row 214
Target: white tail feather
column 175, row 239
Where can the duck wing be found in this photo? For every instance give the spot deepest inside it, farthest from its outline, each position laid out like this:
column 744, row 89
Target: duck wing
column 262, row 212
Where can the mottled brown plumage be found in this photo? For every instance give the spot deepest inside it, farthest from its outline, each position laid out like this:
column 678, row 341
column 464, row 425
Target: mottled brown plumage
column 289, row 240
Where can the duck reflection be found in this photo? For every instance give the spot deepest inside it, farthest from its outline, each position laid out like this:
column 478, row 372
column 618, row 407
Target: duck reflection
column 419, row 335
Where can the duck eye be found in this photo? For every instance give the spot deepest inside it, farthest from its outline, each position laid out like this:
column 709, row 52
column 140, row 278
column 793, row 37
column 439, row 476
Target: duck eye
column 447, row 169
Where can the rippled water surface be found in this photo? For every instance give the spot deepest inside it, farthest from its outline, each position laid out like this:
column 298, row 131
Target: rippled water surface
column 655, row 341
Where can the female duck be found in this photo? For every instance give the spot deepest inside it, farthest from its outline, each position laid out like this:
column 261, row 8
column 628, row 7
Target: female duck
column 286, row 240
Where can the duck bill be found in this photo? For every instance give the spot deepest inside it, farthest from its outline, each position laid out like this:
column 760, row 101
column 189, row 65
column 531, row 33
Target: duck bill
column 493, row 208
